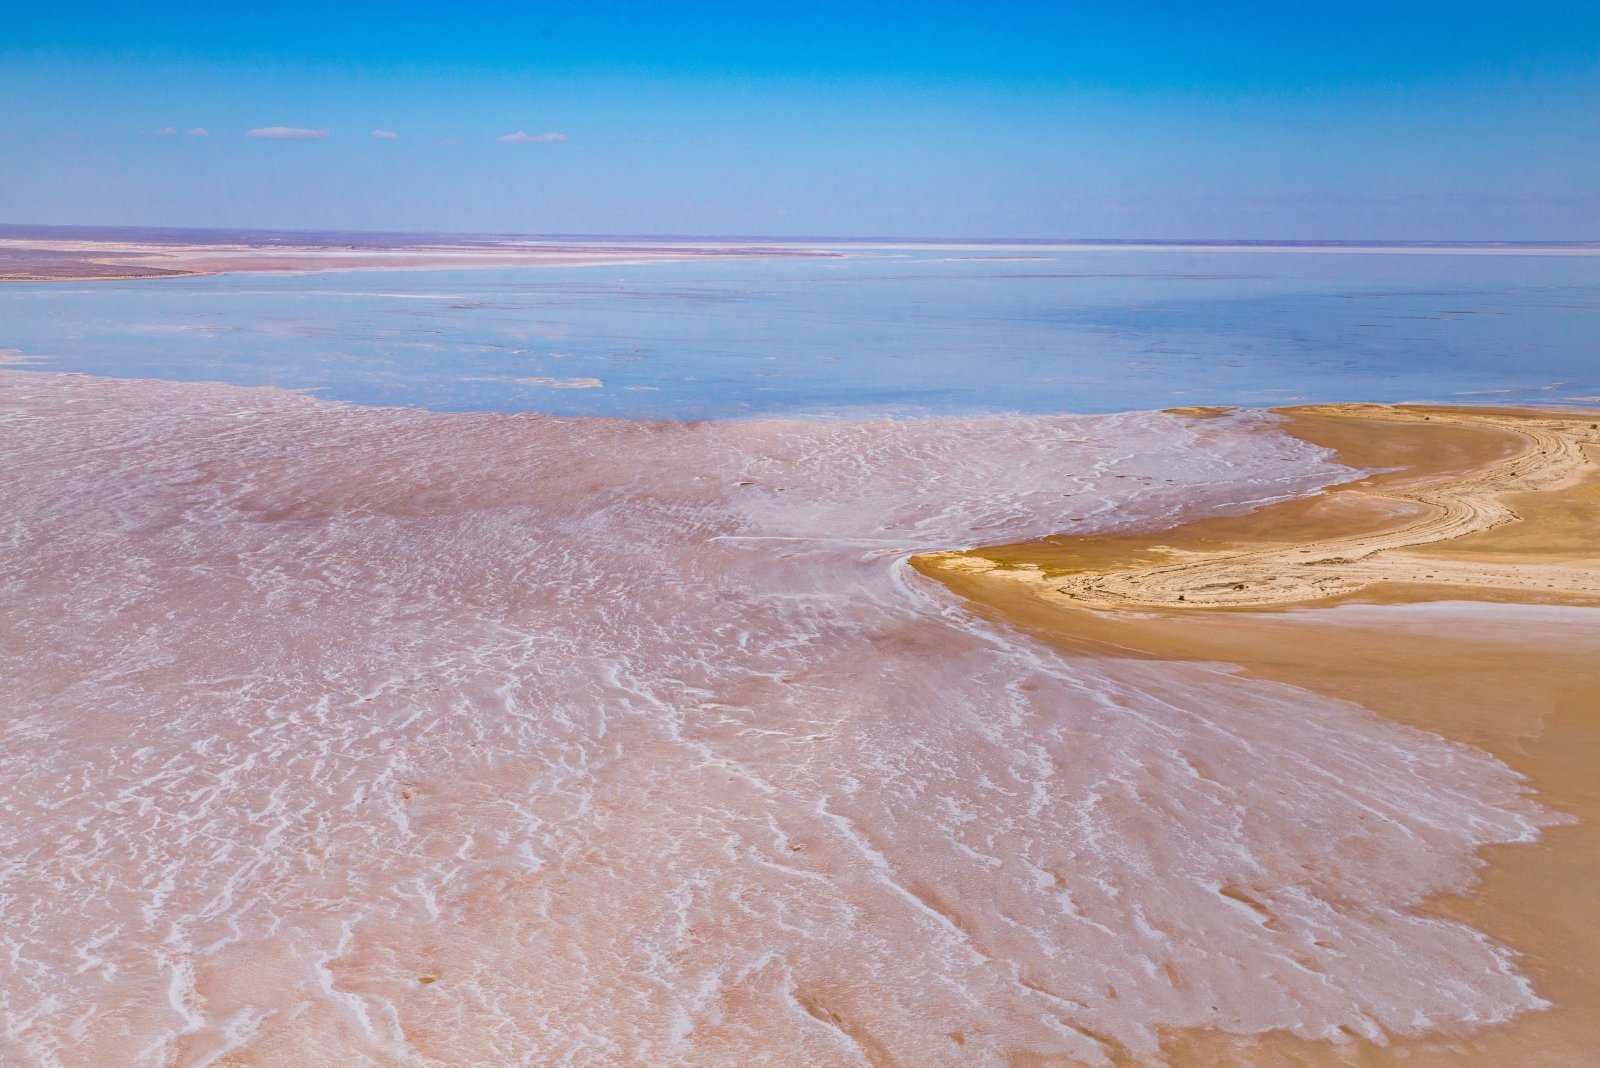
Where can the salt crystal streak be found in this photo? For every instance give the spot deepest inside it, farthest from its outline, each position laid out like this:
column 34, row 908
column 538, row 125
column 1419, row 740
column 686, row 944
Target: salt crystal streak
column 339, row 735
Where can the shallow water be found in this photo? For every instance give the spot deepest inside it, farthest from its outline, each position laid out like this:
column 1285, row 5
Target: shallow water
column 346, row 735
column 923, row 331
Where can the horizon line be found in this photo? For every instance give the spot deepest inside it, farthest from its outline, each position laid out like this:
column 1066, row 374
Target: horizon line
column 155, row 235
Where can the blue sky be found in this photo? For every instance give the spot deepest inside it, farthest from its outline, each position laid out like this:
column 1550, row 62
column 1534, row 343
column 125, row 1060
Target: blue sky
column 1253, row 120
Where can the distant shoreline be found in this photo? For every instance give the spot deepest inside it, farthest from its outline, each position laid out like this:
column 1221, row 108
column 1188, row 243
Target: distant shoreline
column 85, row 260
column 310, row 238
column 89, row 253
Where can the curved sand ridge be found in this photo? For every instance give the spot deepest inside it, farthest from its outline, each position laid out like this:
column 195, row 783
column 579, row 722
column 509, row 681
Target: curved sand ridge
column 1440, row 509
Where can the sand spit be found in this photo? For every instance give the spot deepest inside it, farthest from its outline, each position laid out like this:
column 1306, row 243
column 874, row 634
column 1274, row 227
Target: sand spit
column 1410, row 515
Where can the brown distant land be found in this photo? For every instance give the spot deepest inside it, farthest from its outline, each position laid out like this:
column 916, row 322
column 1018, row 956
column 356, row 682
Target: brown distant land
column 49, row 254
column 43, row 253
column 1455, row 504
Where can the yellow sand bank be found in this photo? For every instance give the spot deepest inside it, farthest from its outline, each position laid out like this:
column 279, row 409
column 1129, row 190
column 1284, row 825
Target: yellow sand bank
column 1395, row 528
column 1483, row 505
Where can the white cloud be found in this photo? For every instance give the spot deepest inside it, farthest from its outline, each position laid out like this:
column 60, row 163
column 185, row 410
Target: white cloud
column 522, row 137
column 386, row 135
column 165, row 131
column 285, row 133
column 198, row 131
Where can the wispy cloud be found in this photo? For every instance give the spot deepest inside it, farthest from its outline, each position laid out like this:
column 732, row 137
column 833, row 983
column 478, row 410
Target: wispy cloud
column 198, row 131
column 386, row 135
column 285, row 133
column 522, row 137
column 449, row 142
column 165, row 131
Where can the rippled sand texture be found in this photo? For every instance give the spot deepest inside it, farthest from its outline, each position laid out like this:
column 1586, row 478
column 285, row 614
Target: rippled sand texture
column 346, row 735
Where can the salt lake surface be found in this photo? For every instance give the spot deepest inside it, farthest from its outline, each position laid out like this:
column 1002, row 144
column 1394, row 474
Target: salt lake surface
column 922, row 331
column 354, row 734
